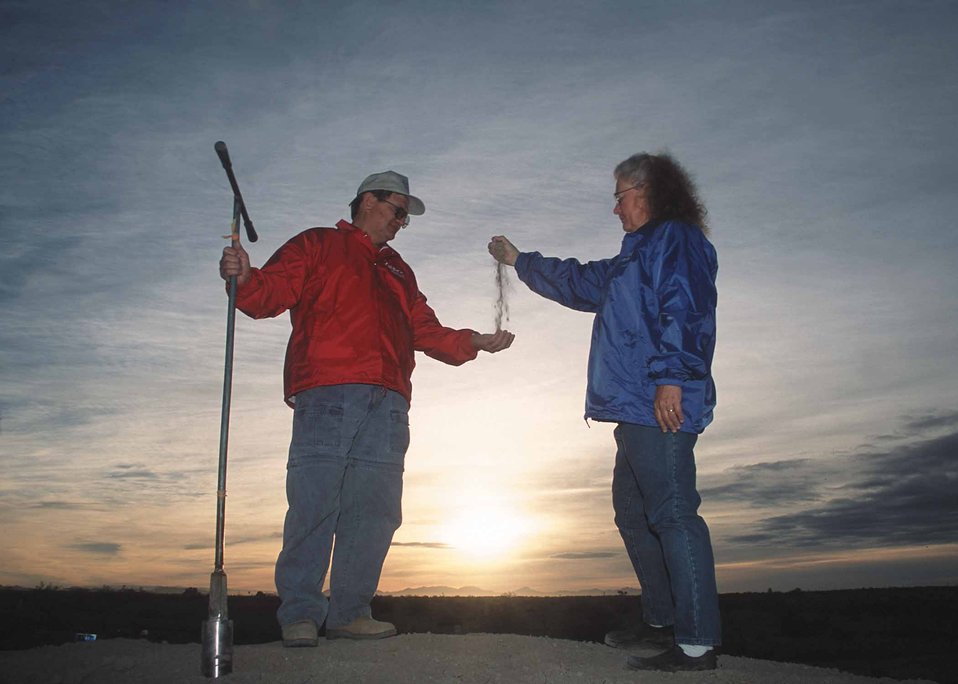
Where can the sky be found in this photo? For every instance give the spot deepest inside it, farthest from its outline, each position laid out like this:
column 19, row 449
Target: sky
column 821, row 136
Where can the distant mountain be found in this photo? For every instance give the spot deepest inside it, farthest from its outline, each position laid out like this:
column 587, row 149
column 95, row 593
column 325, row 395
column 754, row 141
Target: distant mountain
column 440, row 591
column 523, row 591
column 436, row 590
column 624, row 591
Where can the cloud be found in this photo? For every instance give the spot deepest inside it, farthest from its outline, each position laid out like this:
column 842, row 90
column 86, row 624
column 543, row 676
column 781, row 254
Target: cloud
column 98, row 548
column 901, row 496
column 236, row 541
column 932, row 422
column 132, row 472
column 586, row 555
column 765, row 484
column 423, row 545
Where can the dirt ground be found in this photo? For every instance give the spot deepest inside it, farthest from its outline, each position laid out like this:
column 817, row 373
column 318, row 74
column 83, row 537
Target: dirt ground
column 406, row 659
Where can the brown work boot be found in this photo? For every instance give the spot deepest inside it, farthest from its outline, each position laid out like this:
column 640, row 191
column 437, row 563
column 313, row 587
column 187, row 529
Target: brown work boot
column 302, row 633
column 363, row 627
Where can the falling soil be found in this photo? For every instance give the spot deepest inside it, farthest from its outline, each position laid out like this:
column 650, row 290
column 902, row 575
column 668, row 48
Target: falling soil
column 502, row 287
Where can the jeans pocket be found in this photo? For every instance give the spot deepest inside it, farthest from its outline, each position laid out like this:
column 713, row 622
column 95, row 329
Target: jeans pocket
column 317, row 432
column 398, row 432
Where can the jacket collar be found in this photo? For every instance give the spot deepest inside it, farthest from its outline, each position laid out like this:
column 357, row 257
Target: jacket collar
column 357, row 234
column 631, row 240
column 637, row 237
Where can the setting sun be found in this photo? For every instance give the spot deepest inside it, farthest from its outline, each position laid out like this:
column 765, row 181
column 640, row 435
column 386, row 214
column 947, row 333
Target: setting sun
column 485, row 531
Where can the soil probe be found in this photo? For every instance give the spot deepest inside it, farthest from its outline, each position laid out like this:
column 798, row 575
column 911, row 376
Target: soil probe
column 217, row 639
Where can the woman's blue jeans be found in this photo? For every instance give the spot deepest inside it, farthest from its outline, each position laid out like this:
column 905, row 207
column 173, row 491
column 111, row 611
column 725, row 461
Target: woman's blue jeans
column 656, row 511
column 343, row 484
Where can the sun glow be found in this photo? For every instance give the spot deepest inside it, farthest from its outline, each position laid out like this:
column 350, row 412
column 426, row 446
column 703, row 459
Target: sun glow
column 485, row 531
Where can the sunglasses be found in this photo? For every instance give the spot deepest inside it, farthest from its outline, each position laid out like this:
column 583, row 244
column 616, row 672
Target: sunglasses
column 400, row 212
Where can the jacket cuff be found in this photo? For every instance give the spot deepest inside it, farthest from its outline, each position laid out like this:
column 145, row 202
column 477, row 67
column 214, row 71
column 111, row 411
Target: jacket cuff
column 524, row 263
column 247, row 288
column 467, row 347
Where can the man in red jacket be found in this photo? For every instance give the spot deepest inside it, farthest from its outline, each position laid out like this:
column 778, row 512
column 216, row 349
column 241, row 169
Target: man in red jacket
column 358, row 317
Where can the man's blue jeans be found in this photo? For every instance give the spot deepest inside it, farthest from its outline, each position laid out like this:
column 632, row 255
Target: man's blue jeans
column 656, row 511
column 343, row 482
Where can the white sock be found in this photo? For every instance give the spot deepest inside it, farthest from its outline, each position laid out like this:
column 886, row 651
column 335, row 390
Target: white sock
column 694, row 651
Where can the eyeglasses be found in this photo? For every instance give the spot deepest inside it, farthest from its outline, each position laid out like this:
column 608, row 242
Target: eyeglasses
column 400, row 213
column 618, row 195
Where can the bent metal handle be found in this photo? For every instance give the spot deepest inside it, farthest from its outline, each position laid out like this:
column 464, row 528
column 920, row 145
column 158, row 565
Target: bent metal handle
column 217, row 632
column 224, row 156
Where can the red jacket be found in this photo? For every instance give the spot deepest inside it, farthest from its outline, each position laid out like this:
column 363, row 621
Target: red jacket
column 357, row 313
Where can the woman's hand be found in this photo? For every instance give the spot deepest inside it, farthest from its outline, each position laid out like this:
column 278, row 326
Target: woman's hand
column 668, row 407
column 503, row 251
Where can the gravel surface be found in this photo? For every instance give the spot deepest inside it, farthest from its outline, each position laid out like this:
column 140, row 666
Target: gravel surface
column 405, row 659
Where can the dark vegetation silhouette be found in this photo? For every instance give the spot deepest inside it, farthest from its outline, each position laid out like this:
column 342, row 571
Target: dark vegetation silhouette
column 897, row 632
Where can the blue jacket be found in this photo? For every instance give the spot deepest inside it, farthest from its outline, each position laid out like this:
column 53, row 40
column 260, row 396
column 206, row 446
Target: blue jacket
column 654, row 325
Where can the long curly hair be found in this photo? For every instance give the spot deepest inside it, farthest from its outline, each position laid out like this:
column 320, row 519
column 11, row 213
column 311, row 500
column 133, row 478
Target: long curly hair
column 670, row 191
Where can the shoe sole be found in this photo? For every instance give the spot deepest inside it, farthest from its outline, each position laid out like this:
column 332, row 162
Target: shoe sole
column 340, row 634
column 640, row 647
column 702, row 664
column 696, row 668
column 300, row 643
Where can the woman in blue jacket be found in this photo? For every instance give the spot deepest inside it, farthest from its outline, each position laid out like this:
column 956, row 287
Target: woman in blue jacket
column 650, row 372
